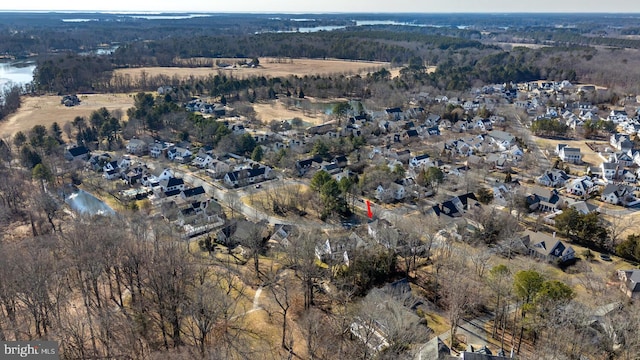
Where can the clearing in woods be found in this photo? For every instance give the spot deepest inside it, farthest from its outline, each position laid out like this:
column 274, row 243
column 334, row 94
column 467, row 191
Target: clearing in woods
column 45, row 110
column 268, row 67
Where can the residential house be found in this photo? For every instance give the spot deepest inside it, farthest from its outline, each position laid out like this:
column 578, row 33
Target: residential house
column 570, row 155
column 621, row 142
column 503, row 139
column 548, row 247
column 623, row 158
column 583, row 187
column 383, row 232
column 610, row 171
column 137, row 147
column 179, row 154
column 246, row 177
column 618, row 116
column 159, row 148
column 390, row 192
column 618, row 194
column 553, row 178
column 336, row 249
column 192, row 192
column 457, row 206
column 421, row 161
column 202, row 159
column 305, row 165
column 77, row 153
column 629, row 176
column 544, row 200
column 172, row 184
column 331, row 168
column 434, row 349
column 630, row 282
column 583, row 207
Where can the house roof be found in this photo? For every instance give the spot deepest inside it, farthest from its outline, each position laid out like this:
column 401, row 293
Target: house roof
column 78, row 151
column 171, row 193
column 194, row 191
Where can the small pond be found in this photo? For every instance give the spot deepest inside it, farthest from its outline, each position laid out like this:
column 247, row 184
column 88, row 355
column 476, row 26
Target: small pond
column 87, row 204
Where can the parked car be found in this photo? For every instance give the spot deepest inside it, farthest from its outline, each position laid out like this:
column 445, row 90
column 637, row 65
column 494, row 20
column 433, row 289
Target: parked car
column 605, row 257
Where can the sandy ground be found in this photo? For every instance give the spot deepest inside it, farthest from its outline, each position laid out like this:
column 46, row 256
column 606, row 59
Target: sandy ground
column 268, row 68
column 44, row 110
column 276, row 110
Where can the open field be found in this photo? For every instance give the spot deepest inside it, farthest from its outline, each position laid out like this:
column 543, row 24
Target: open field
column 44, row 110
column 276, row 110
column 589, row 157
column 268, row 67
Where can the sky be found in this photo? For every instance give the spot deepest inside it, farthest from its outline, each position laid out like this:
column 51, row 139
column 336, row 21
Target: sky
column 330, row 6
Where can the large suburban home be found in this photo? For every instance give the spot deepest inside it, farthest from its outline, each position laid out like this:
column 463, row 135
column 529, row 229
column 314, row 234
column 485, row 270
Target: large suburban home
column 618, row 194
column 172, row 184
column 503, row 139
column 547, row 247
column 77, row 153
column 618, row 116
column 630, row 282
column 621, row 142
column 610, row 170
column 247, row 176
column 553, row 178
column 544, row 200
column 623, row 158
column 159, row 148
column 570, row 155
column 137, row 147
column 423, row 160
column 583, row 187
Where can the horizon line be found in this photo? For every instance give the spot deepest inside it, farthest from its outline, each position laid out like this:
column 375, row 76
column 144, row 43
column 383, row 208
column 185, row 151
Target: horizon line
column 161, row 12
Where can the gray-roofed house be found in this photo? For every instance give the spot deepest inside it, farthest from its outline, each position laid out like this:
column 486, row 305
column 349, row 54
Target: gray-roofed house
column 630, row 282
column 137, row 147
column 570, row 155
column 547, row 247
column 617, row 194
column 76, row 152
column 553, row 178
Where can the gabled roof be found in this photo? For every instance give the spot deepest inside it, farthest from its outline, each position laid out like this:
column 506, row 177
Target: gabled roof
column 194, row 191
column 78, row 151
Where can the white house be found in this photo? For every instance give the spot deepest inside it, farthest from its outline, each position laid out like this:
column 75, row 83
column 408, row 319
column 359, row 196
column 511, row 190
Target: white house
column 172, row 184
column 202, row 159
column 570, row 155
column 179, row 154
column 553, row 178
column 610, row 170
column 392, row 191
column 582, row 186
column 618, row 116
column 137, row 147
column 617, row 194
column 423, row 160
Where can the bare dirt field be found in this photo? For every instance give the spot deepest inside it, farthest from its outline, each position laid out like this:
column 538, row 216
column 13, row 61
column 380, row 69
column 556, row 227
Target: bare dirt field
column 589, row 157
column 276, row 110
column 268, row 67
column 44, row 110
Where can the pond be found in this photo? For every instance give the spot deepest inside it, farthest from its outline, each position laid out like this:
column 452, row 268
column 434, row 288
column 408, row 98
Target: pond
column 86, row 204
column 16, row 72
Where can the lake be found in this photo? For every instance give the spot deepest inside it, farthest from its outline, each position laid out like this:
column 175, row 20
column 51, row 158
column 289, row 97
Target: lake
column 16, row 72
column 86, row 204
